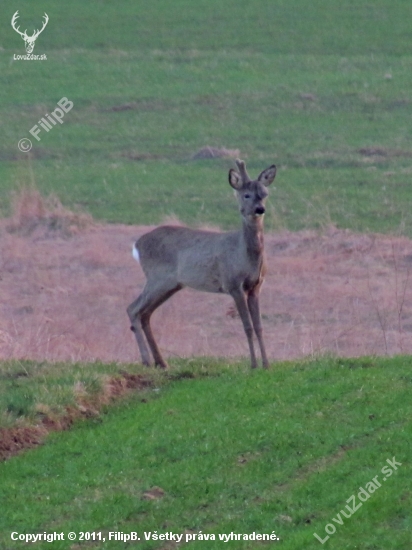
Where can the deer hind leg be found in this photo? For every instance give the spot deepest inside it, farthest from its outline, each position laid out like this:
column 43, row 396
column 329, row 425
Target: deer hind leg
column 240, row 300
column 136, row 326
column 140, row 311
column 254, row 310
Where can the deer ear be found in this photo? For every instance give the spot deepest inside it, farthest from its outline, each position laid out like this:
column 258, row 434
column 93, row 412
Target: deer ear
column 268, row 175
column 235, row 180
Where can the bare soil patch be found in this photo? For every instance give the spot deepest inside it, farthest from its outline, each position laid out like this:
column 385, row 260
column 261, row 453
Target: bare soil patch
column 65, row 298
column 14, row 440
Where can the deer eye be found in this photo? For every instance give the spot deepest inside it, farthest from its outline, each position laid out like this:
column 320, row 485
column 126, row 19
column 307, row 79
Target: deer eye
column 246, row 196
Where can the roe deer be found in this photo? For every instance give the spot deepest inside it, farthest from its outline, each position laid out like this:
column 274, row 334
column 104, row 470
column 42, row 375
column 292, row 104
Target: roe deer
column 231, row 263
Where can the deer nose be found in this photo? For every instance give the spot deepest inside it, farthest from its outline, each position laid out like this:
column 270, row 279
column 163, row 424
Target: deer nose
column 260, row 210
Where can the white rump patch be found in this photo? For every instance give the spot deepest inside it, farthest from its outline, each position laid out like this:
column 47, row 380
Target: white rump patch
column 135, row 253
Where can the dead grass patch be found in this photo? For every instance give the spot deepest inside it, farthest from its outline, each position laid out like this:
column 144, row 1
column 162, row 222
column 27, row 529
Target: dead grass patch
column 332, row 292
column 215, row 152
column 155, row 493
column 32, row 211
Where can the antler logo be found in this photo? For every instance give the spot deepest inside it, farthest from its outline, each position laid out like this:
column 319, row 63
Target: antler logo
column 29, row 41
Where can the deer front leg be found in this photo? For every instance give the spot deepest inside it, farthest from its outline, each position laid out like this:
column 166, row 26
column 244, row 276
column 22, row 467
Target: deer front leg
column 240, row 300
column 254, row 309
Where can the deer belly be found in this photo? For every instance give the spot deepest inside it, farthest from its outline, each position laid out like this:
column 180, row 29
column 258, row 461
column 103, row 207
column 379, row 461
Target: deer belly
column 200, row 276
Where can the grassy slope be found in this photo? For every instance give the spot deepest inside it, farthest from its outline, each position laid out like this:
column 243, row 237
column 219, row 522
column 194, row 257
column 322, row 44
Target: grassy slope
column 216, row 73
column 31, row 391
column 234, row 450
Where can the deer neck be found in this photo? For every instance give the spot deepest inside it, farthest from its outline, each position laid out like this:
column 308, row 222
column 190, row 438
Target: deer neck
column 252, row 236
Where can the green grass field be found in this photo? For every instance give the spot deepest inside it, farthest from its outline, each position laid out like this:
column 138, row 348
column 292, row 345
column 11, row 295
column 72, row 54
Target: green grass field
column 322, row 89
column 307, row 86
column 232, row 450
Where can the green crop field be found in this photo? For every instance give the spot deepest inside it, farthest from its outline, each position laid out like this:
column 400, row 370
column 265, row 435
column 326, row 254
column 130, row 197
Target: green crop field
column 322, row 89
column 216, row 449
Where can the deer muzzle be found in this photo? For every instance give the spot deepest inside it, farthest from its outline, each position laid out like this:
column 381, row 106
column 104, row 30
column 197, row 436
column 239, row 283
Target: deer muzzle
column 259, row 210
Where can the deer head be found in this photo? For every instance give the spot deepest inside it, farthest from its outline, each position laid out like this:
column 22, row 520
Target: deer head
column 251, row 194
column 29, row 41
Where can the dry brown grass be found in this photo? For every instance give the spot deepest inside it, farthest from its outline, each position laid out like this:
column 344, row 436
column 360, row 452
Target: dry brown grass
column 31, row 211
column 215, row 152
column 65, row 298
